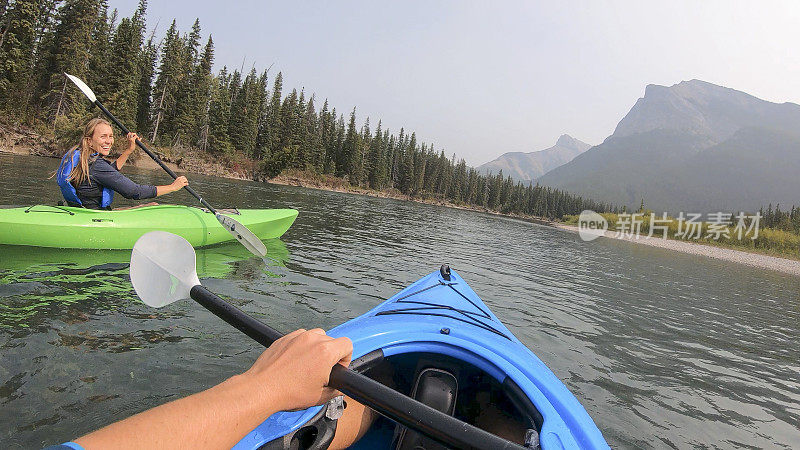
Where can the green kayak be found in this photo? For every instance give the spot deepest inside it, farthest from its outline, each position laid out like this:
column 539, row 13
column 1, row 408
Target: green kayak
column 67, row 227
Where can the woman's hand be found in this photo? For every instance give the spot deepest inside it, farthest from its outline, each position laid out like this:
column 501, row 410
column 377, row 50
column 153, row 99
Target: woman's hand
column 179, row 183
column 293, row 372
column 123, row 157
column 132, row 137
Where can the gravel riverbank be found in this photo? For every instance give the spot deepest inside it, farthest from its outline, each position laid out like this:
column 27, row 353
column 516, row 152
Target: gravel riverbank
column 788, row 266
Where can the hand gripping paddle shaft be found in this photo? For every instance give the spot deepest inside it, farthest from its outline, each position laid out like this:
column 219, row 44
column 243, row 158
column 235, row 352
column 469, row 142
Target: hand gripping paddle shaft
column 163, row 271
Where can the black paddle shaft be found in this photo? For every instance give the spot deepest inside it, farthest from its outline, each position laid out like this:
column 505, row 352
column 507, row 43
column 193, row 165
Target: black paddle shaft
column 404, row 410
column 153, row 155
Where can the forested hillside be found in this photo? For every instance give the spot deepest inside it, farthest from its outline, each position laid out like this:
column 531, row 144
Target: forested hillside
column 166, row 90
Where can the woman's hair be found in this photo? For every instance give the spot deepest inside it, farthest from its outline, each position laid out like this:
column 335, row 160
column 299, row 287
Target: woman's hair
column 80, row 172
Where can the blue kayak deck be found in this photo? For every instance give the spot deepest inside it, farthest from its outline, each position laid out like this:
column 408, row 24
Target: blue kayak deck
column 446, row 317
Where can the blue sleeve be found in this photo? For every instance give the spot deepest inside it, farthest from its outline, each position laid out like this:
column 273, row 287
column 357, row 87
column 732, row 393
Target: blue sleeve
column 65, row 446
column 108, row 176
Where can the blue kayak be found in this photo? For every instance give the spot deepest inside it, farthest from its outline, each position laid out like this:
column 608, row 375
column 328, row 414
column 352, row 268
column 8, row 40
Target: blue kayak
column 440, row 344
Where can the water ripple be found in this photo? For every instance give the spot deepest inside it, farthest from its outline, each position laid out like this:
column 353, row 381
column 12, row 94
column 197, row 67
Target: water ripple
column 664, row 350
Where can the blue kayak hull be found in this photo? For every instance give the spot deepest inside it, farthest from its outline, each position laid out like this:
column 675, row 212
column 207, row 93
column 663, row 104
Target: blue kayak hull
column 436, row 316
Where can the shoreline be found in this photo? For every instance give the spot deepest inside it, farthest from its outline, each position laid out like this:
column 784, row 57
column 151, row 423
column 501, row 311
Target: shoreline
column 752, row 259
column 333, row 184
column 292, row 178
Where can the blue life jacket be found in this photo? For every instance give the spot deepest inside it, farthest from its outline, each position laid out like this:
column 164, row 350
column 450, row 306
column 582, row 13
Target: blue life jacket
column 68, row 190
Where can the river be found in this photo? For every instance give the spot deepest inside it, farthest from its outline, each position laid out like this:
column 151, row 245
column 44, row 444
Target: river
column 664, row 350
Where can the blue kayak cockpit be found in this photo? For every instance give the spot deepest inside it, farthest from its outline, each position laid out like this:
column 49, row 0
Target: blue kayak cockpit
column 437, row 342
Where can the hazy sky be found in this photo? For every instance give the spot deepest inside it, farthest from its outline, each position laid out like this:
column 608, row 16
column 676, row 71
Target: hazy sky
column 484, row 78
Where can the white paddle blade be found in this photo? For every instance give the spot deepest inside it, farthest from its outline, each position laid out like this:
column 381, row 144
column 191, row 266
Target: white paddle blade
column 163, row 268
column 243, row 235
column 82, row 86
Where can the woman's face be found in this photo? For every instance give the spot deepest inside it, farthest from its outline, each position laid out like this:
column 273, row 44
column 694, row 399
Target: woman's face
column 102, row 139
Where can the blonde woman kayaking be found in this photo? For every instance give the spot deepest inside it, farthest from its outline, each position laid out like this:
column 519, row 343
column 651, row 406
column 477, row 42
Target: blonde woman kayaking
column 87, row 179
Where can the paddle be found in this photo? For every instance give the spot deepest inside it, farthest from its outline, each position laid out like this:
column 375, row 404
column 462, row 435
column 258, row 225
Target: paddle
column 163, row 271
column 239, row 231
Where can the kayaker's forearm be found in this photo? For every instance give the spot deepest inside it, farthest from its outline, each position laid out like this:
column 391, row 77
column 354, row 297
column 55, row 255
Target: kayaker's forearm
column 176, row 185
column 166, row 189
column 123, row 158
column 216, row 418
column 290, row 374
column 132, row 138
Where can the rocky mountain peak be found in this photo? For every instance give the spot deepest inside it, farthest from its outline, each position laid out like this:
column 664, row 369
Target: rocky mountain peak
column 703, row 108
column 530, row 166
column 568, row 141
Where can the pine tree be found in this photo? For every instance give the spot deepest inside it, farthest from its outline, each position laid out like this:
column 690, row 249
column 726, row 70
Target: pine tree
column 472, row 187
column 407, row 166
column 193, row 45
column 351, row 157
column 124, row 71
column 441, row 175
column 192, row 88
column 288, row 134
column 311, row 146
column 377, row 160
column 245, row 112
column 167, row 82
column 17, row 54
column 274, row 120
column 71, row 46
column 147, row 63
column 362, row 159
column 294, row 129
column 100, row 58
column 420, row 161
column 262, row 149
column 461, row 182
column 448, row 177
column 3, row 9
column 47, row 21
column 219, row 114
column 203, row 79
column 338, row 145
column 397, row 158
column 495, row 186
column 328, row 131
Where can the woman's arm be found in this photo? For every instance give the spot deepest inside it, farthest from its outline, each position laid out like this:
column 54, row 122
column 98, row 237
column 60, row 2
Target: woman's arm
column 132, row 137
column 107, row 176
column 176, row 185
column 290, row 374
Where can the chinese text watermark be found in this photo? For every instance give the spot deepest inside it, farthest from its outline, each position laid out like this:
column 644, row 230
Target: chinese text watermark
column 687, row 226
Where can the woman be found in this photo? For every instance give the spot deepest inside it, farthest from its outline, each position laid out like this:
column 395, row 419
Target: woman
column 87, row 179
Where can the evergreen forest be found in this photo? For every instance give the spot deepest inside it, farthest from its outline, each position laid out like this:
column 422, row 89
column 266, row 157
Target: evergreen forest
column 168, row 91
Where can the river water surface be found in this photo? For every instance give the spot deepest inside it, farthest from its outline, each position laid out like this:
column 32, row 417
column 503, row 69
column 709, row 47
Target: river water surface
column 664, row 350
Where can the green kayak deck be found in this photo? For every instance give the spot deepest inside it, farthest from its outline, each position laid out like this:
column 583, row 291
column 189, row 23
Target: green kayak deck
column 66, row 227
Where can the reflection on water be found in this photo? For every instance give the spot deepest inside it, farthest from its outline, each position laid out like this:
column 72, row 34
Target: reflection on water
column 35, row 280
column 663, row 349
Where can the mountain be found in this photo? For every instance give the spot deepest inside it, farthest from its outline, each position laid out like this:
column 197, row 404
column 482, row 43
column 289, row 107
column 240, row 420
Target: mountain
column 693, row 147
column 530, row 166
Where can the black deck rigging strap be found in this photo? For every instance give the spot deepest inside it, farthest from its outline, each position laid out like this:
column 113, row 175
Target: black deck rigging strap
column 60, row 209
column 470, row 317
